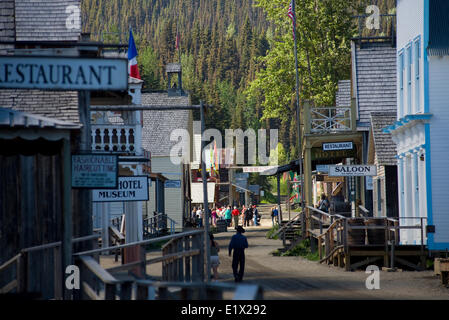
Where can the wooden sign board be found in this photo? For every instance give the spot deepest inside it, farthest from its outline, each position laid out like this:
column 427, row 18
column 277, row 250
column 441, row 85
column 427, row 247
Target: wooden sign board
column 63, row 73
column 130, row 188
column 319, row 154
column 94, row 171
column 333, row 179
column 352, row 170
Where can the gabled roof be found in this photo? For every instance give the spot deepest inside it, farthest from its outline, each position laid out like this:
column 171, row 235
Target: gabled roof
column 61, row 105
column 45, row 20
column 375, row 79
column 158, row 125
column 384, row 146
column 39, row 20
column 343, row 97
column 16, row 119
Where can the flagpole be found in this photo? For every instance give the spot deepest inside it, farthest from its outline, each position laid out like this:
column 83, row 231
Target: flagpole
column 298, row 111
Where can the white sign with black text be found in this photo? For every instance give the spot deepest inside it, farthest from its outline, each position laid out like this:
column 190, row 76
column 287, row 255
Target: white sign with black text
column 353, row 170
column 337, row 146
column 132, row 188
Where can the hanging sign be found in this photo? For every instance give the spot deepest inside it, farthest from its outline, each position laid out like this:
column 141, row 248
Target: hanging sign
column 337, row 146
column 63, row 73
column 172, row 184
column 130, row 188
column 352, row 170
column 94, row 171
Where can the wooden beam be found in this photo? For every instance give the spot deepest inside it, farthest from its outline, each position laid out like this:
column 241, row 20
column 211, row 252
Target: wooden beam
column 364, row 262
column 9, row 287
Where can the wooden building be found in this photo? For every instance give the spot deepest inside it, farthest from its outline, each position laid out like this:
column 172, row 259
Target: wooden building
column 156, row 138
column 382, row 153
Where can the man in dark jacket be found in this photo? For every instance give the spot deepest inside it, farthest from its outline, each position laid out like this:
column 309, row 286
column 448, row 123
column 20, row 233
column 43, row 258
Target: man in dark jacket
column 239, row 243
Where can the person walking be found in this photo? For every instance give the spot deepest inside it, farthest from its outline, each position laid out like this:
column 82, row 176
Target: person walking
column 199, row 217
column 214, row 259
column 235, row 214
column 214, row 217
column 274, row 215
column 228, row 216
column 248, row 216
column 256, row 215
column 238, row 243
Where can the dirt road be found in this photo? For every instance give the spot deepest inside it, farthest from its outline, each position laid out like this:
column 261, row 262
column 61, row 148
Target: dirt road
column 298, row 278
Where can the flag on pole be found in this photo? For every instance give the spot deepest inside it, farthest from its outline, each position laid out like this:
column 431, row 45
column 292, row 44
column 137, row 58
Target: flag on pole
column 132, row 57
column 291, row 15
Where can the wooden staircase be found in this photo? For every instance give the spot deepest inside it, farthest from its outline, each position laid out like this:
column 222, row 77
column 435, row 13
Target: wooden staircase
column 290, row 232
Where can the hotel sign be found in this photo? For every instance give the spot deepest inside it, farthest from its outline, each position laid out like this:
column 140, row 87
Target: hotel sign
column 130, row 188
column 352, row 170
column 319, row 154
column 94, row 171
column 337, row 146
column 63, row 73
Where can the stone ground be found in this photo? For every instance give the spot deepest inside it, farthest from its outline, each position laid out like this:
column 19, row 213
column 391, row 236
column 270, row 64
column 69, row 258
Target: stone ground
column 297, row 278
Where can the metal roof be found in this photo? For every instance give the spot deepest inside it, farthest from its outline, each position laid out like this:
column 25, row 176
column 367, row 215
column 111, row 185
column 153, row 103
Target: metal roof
column 17, row 119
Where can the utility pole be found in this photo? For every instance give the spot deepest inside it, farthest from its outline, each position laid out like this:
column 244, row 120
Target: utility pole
column 205, row 202
column 298, row 118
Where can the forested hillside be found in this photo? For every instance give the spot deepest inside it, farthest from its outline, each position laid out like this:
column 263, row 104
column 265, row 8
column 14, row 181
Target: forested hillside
column 238, row 54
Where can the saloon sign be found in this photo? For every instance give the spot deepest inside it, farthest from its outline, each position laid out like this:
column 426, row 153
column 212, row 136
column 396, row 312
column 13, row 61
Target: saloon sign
column 352, row 170
column 63, row 73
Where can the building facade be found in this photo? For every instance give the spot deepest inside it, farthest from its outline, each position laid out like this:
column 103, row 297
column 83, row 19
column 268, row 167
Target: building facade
column 420, row 132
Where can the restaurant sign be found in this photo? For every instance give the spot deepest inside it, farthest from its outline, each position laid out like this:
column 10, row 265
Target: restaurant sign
column 337, row 146
column 63, row 73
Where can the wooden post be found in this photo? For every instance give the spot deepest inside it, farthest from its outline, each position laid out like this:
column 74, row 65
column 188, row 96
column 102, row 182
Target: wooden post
column 278, row 177
column 143, row 261
column 164, row 265
column 126, row 290
column 58, row 274
column 196, row 258
column 22, row 273
column 109, row 291
column 67, row 227
column 320, row 252
column 180, row 261
column 187, row 259
column 142, row 292
column 423, row 257
column 201, row 255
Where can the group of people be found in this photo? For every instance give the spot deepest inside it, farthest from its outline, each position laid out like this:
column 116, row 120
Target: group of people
column 236, row 247
column 247, row 216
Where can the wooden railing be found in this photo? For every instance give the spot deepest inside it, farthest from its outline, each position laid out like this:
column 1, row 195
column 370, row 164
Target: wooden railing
column 337, row 232
column 21, row 261
column 116, row 138
column 185, row 248
column 182, row 274
column 154, row 226
column 147, row 290
column 287, row 225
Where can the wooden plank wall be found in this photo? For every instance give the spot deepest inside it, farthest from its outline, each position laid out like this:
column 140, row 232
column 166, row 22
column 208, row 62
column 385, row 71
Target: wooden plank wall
column 31, row 213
